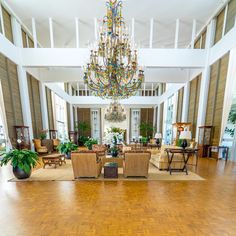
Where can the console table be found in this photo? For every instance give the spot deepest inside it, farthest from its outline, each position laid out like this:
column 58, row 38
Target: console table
column 217, row 150
column 186, row 153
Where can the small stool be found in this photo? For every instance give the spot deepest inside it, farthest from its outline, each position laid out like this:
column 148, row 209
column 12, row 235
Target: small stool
column 111, row 170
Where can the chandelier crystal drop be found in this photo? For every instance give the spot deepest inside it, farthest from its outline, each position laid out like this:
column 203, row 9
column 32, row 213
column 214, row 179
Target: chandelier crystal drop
column 115, row 113
column 113, row 70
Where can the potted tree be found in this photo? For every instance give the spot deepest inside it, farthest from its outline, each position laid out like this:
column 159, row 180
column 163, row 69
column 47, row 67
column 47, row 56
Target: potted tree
column 22, row 162
column 66, row 148
column 89, row 143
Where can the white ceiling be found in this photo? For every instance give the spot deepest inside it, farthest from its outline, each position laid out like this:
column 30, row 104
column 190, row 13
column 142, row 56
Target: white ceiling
column 165, row 13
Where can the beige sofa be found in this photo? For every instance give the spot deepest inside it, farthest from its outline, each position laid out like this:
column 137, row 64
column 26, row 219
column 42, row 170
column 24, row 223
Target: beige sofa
column 136, row 163
column 159, row 158
column 86, row 164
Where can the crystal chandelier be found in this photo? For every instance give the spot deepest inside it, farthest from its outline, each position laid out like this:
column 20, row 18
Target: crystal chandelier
column 113, row 68
column 115, row 112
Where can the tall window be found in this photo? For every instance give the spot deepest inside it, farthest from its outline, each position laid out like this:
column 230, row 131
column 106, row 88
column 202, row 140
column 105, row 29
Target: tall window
column 61, row 118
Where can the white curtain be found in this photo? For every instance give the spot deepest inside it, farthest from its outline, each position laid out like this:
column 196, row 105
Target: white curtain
column 4, row 120
column 229, row 90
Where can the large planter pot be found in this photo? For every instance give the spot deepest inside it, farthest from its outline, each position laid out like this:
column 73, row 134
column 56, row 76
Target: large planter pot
column 20, row 174
column 68, row 155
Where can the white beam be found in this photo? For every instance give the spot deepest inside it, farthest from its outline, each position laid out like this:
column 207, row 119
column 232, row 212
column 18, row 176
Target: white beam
column 77, row 31
column 51, row 32
column 34, row 33
column 193, row 33
column 176, row 33
column 72, row 57
column 151, row 32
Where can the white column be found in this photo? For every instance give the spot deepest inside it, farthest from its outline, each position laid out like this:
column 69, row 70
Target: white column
column 193, row 33
column 22, row 79
column 185, row 102
column 175, row 107
column 128, row 125
column 51, row 32
column 225, row 18
column 2, row 23
column 34, row 33
column 76, row 115
column 176, row 33
column 95, row 29
column 71, row 111
column 44, row 108
column 132, row 31
column 158, row 118
column 151, row 32
column 205, row 81
column 77, row 31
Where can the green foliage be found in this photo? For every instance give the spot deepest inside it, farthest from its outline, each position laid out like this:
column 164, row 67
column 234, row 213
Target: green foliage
column 144, row 140
column 146, row 129
column 232, row 117
column 43, row 136
column 66, row 147
column 179, row 142
column 24, row 159
column 82, row 127
column 115, row 130
column 89, row 143
column 82, row 140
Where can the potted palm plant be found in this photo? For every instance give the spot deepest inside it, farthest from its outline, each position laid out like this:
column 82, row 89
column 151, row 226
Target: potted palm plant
column 22, row 162
column 66, row 148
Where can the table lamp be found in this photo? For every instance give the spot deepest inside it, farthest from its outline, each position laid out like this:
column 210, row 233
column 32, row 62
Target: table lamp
column 185, row 135
column 158, row 137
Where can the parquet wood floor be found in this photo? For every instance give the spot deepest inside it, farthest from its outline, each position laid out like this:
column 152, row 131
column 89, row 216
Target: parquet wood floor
column 158, row 208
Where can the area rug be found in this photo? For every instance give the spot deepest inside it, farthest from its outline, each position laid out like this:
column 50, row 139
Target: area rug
column 65, row 173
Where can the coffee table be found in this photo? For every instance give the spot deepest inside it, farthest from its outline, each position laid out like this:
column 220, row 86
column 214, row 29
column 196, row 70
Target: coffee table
column 56, row 159
column 111, row 170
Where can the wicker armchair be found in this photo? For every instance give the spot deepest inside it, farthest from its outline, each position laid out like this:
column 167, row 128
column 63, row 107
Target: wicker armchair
column 86, row 164
column 56, row 142
column 38, row 147
column 136, row 163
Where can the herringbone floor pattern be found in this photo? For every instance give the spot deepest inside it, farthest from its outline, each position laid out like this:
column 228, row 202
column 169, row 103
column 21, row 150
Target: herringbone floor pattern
column 157, row 208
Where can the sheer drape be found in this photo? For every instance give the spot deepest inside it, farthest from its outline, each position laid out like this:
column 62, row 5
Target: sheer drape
column 3, row 118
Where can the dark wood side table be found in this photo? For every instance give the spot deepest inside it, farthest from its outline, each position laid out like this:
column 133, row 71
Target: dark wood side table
column 111, row 170
column 218, row 149
column 186, row 153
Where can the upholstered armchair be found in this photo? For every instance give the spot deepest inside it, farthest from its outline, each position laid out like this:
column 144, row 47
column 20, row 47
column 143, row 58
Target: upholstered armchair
column 38, row 147
column 86, row 164
column 56, row 142
column 100, row 149
column 136, row 163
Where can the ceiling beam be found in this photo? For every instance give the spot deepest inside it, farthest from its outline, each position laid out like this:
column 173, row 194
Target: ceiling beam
column 71, row 57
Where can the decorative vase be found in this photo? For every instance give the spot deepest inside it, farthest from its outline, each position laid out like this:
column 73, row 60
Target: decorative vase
column 20, row 174
column 114, row 153
column 68, row 155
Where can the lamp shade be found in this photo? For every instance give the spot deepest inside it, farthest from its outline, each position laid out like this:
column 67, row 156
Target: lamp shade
column 158, row 135
column 186, row 135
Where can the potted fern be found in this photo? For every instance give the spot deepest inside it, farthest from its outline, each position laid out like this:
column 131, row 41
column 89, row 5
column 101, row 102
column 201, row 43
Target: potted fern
column 22, row 162
column 66, row 148
column 89, row 143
